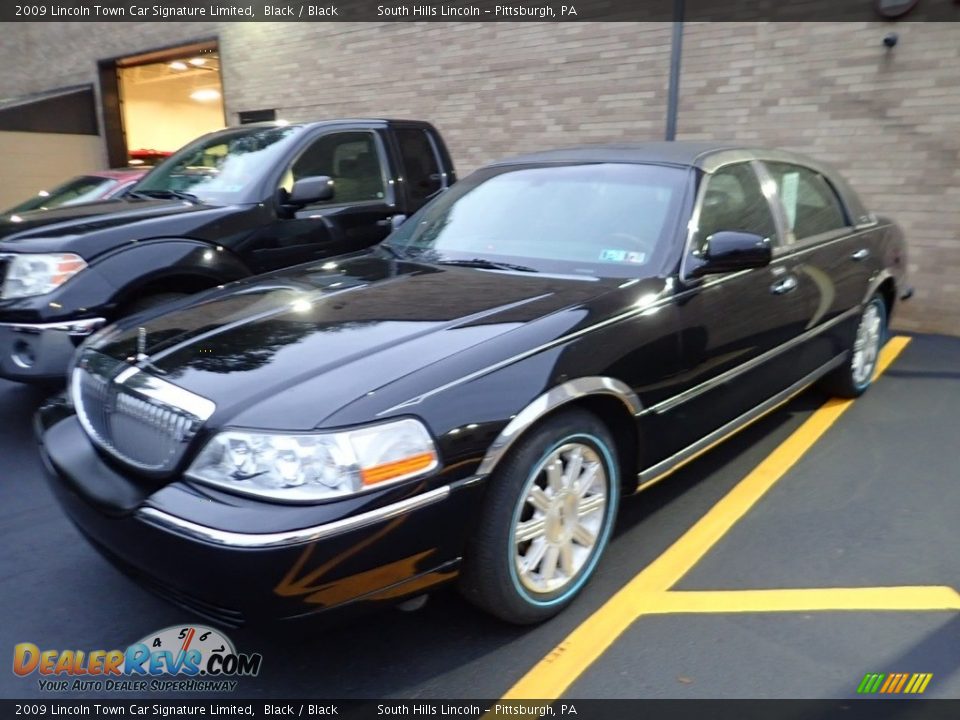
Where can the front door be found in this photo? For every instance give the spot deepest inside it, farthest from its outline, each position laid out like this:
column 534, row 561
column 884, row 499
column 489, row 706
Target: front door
column 358, row 215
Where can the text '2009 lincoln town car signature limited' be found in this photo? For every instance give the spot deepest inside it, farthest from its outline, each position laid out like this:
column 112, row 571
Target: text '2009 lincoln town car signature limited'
column 470, row 399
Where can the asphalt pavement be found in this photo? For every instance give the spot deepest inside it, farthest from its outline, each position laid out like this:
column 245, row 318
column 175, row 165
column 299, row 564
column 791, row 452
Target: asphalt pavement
column 873, row 503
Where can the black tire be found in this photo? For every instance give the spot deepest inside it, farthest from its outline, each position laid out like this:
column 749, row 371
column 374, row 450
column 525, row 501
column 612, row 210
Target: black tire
column 490, row 577
column 849, row 380
column 148, row 302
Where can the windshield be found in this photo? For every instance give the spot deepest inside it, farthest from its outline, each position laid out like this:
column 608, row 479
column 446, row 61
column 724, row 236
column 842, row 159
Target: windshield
column 598, row 219
column 220, row 168
column 78, row 190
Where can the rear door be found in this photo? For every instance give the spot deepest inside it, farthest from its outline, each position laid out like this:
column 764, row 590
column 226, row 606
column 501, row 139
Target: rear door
column 358, row 215
column 736, row 329
column 823, row 242
column 424, row 173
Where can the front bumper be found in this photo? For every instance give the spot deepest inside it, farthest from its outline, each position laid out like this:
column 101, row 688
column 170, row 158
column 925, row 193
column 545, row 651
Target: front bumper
column 38, row 352
column 233, row 576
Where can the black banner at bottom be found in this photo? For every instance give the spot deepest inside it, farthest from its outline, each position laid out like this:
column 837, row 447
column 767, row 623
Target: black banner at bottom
column 874, row 709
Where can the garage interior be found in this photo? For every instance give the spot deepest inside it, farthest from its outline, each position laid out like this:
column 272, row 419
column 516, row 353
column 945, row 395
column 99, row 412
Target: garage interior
column 167, row 99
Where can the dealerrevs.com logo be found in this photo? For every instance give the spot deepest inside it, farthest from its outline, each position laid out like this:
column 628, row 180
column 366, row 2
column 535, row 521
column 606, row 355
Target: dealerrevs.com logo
column 176, row 659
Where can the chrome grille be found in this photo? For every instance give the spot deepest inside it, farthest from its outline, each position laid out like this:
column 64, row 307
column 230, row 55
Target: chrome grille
column 140, row 419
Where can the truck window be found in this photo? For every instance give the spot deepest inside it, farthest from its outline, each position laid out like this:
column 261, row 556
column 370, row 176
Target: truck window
column 422, row 169
column 352, row 159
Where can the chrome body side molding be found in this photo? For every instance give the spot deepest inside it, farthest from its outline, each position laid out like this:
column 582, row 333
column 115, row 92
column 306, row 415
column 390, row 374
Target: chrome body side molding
column 549, row 401
column 732, row 373
column 667, row 466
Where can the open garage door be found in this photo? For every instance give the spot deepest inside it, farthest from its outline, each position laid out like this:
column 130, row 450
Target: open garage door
column 160, row 101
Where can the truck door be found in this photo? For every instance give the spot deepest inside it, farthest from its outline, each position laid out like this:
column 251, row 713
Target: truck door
column 357, row 216
column 424, row 170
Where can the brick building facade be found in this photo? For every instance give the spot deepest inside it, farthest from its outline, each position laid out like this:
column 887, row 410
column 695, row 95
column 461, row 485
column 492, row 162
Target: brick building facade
column 890, row 119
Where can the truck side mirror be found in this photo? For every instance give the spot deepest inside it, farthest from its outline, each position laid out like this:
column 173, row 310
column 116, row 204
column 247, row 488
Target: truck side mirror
column 311, row 190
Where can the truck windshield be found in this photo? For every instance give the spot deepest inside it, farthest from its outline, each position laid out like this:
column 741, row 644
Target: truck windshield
column 594, row 219
column 218, row 168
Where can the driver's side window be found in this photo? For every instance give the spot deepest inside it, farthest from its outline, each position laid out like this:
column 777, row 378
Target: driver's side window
column 734, row 200
column 352, row 159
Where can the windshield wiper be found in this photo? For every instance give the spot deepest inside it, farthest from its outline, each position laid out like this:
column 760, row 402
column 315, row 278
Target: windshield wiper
column 153, row 194
column 487, row 265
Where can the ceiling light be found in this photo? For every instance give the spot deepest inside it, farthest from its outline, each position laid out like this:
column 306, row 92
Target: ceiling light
column 205, row 95
column 178, row 65
column 197, row 61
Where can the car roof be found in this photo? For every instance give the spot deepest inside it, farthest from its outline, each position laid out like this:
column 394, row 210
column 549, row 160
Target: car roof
column 707, row 155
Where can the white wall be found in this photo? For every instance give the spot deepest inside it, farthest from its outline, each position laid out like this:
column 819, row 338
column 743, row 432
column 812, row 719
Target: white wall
column 31, row 162
column 161, row 115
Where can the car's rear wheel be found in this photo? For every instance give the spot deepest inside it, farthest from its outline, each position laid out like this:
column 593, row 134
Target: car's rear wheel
column 852, row 379
column 546, row 520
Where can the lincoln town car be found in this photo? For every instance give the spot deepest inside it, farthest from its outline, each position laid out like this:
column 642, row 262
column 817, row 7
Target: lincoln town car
column 468, row 401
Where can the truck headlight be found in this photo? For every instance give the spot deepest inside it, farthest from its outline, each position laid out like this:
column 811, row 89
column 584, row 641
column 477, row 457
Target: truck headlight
column 38, row 274
column 307, row 467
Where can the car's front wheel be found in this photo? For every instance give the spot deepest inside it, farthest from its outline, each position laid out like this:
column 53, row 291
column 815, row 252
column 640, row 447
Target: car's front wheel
column 546, row 520
column 852, row 379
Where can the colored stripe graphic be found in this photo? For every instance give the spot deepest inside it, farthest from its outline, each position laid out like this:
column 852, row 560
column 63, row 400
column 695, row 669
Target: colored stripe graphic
column 894, row 683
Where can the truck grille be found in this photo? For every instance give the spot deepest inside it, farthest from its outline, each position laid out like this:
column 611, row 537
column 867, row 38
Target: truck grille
column 140, row 419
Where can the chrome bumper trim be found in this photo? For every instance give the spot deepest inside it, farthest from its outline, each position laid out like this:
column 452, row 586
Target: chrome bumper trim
column 195, row 531
column 74, row 328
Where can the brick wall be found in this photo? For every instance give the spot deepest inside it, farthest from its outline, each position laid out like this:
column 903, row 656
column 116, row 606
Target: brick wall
column 890, row 120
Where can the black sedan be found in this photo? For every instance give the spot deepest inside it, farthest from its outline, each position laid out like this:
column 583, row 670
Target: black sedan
column 470, row 399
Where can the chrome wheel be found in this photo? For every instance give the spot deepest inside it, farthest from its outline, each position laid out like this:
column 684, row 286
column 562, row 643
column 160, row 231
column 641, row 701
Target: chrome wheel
column 866, row 347
column 560, row 517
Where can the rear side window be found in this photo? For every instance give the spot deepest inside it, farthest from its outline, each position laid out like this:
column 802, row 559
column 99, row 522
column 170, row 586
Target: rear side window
column 733, row 200
column 811, row 205
column 422, row 169
column 350, row 158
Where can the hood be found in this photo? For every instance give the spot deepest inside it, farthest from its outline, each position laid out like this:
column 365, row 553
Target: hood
column 361, row 324
column 91, row 228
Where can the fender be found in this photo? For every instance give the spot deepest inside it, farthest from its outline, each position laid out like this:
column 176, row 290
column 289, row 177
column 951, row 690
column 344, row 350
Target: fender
column 550, row 401
column 876, row 281
column 147, row 261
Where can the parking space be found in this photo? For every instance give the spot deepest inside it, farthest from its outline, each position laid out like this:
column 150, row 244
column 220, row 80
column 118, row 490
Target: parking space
column 815, row 546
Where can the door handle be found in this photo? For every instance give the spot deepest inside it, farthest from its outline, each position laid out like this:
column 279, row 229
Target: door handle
column 784, row 285
column 861, row 254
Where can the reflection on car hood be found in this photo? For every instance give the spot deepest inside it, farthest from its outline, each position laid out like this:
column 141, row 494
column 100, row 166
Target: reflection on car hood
column 245, row 345
column 91, row 228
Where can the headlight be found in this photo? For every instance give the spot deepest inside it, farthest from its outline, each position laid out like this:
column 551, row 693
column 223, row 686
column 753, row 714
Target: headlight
column 306, row 467
column 30, row 274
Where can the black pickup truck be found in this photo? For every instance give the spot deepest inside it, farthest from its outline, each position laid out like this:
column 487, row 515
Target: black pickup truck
column 234, row 203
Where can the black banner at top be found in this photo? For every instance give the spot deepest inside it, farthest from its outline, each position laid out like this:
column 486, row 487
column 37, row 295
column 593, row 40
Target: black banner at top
column 474, row 10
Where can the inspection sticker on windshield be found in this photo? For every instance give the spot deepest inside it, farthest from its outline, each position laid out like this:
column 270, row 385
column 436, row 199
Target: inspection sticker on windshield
column 614, row 255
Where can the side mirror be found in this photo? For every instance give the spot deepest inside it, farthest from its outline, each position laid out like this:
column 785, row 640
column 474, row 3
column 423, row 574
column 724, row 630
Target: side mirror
column 729, row 251
column 310, row 190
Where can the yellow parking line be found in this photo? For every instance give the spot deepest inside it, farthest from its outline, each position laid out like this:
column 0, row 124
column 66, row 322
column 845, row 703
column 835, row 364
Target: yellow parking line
column 916, row 598
column 552, row 675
